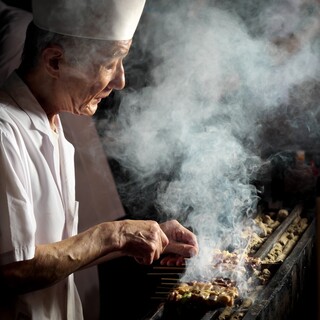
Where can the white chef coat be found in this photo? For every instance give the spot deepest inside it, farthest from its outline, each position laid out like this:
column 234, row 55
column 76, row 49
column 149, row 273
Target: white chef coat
column 97, row 193
column 34, row 207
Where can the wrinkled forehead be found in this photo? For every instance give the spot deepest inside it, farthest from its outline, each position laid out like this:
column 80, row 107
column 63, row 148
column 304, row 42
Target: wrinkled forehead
column 98, row 51
column 114, row 49
column 102, row 53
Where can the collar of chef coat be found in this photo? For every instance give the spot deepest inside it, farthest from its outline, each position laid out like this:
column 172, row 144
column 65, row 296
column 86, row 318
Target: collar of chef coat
column 21, row 94
column 23, row 97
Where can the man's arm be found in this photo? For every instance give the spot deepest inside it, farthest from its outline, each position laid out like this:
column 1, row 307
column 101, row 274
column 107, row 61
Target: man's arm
column 144, row 240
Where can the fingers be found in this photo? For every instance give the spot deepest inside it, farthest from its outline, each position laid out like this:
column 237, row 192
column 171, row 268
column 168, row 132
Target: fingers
column 147, row 240
column 144, row 240
column 172, row 260
column 186, row 236
column 143, row 261
column 182, row 241
column 181, row 249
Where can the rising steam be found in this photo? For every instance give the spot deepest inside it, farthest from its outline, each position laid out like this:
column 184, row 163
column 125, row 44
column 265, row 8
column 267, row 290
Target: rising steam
column 193, row 140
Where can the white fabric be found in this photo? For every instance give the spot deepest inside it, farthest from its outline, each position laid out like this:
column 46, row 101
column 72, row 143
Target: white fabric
column 33, row 208
column 95, row 185
column 93, row 19
column 56, row 153
column 98, row 198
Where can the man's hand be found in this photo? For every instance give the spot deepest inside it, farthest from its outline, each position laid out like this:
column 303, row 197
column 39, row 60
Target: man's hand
column 143, row 240
column 182, row 243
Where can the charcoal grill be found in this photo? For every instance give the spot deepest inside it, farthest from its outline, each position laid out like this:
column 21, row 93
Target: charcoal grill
column 288, row 295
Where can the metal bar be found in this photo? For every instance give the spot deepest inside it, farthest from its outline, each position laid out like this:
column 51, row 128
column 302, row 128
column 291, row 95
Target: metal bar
column 210, row 314
column 157, row 315
column 275, row 289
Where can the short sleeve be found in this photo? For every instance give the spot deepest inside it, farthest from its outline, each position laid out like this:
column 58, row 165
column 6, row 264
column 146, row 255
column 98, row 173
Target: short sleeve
column 17, row 222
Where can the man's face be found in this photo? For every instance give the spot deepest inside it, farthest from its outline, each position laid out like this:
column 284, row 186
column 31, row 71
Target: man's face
column 83, row 86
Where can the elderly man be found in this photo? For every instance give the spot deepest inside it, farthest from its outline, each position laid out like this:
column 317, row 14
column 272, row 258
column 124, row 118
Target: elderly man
column 73, row 58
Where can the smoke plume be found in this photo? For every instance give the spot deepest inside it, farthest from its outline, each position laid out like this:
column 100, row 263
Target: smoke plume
column 224, row 87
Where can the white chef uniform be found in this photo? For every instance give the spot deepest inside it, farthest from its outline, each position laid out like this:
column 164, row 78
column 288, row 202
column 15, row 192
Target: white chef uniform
column 97, row 195
column 35, row 208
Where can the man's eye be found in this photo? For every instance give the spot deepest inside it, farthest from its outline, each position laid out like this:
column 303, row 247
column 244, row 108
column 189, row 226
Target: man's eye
column 108, row 67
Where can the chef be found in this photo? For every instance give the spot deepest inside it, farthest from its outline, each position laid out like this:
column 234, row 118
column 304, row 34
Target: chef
column 73, row 58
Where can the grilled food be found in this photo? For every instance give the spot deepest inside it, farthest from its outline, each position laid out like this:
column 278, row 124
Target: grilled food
column 216, row 293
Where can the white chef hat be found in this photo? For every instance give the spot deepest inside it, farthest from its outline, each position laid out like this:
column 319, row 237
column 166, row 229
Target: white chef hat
column 92, row 19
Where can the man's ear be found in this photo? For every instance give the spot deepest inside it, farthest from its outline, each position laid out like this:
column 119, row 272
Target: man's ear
column 52, row 58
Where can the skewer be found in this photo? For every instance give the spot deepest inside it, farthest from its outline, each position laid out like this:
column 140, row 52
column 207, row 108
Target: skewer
column 182, row 268
column 163, row 274
column 168, row 283
column 162, row 288
column 169, row 279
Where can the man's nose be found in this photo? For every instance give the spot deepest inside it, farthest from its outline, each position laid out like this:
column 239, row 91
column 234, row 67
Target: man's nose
column 119, row 81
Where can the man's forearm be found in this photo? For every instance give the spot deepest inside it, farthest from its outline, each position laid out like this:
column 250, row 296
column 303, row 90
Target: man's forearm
column 53, row 262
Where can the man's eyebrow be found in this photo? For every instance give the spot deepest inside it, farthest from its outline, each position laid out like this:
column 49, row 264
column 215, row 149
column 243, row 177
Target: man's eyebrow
column 114, row 49
column 120, row 52
column 114, row 52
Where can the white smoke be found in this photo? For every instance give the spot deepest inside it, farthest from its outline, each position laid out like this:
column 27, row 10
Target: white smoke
column 194, row 133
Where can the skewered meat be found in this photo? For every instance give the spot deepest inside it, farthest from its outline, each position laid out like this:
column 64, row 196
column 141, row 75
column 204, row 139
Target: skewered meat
column 218, row 292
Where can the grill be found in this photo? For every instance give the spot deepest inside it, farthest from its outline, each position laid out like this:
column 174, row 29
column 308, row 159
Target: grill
column 289, row 293
column 285, row 286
